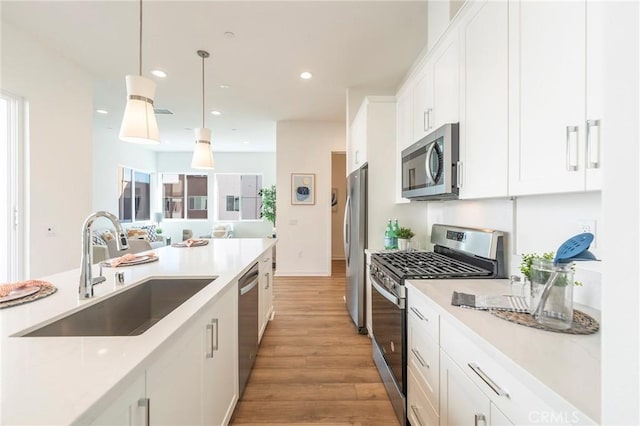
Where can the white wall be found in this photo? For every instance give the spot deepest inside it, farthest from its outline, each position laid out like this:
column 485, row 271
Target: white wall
column 263, row 163
column 60, row 110
column 304, row 232
column 621, row 213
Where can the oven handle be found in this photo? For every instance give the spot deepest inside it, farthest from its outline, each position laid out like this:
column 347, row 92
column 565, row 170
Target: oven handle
column 384, row 293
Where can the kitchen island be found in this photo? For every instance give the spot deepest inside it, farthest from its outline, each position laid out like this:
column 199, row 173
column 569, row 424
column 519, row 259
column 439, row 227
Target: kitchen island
column 65, row 380
column 522, row 375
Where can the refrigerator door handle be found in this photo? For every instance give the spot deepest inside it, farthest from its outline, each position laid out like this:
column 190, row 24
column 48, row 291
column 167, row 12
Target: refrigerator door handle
column 346, row 230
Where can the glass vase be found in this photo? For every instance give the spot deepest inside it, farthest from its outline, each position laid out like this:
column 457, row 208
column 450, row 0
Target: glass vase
column 552, row 308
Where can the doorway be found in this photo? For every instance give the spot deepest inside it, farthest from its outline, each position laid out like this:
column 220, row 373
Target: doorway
column 338, row 202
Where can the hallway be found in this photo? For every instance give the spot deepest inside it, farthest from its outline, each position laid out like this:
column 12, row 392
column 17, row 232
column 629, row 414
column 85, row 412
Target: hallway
column 312, row 366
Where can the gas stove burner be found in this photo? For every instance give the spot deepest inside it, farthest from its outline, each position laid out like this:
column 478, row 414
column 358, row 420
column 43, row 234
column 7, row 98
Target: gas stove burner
column 427, row 265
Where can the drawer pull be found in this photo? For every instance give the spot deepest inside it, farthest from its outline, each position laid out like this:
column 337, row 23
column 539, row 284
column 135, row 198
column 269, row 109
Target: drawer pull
column 415, row 413
column 420, row 359
column 480, row 418
column 146, row 404
column 494, row 387
column 418, row 314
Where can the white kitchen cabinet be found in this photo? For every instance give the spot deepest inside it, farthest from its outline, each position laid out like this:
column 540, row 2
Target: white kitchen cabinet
column 435, row 99
column 128, row 408
column 357, row 144
column 420, row 411
column 484, row 106
column 219, row 338
column 463, row 403
column 265, row 296
column 173, row 380
column 551, row 85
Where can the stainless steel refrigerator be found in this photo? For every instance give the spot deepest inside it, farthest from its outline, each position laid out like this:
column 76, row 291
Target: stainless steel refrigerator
column 355, row 241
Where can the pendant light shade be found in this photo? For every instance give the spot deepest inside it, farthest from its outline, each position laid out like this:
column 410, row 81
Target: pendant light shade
column 139, row 122
column 202, row 155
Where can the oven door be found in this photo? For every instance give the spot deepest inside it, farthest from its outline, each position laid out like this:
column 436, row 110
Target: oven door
column 388, row 316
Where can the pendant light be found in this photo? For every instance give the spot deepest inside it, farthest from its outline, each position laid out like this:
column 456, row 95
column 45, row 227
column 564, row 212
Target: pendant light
column 202, row 155
column 139, row 122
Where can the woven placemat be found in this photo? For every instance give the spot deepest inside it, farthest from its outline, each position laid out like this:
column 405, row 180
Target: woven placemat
column 582, row 323
column 45, row 290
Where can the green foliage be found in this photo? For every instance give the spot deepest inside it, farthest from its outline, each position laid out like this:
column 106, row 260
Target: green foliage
column 268, row 209
column 159, row 231
column 527, row 262
column 405, row 233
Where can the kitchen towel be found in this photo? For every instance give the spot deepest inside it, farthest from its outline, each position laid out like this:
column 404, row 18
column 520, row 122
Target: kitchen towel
column 484, row 302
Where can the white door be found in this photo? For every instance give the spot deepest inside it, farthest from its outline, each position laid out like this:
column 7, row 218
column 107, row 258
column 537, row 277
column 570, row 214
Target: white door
column 462, row 402
column 446, row 83
column 423, row 102
column 12, row 259
column 547, row 67
column 595, row 93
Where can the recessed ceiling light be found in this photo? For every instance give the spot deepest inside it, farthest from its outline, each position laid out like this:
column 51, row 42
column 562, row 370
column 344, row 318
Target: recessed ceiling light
column 233, row 130
column 216, row 113
column 159, row 73
column 229, row 34
column 246, row 142
column 306, row 75
column 224, row 86
column 102, row 111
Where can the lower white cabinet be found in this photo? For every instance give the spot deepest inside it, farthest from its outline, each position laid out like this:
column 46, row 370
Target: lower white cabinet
column 265, row 295
column 193, row 380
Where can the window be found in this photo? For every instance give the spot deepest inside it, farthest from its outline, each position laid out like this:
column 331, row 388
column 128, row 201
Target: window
column 238, row 196
column 134, row 195
column 185, row 196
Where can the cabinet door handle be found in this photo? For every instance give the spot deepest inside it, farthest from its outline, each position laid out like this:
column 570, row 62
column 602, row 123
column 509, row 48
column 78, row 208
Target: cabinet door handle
column 212, row 343
column 415, row 413
column 494, row 387
column 146, row 404
column 459, row 174
column 572, row 148
column 593, row 144
column 429, row 118
column 418, row 314
column 425, row 120
column 420, row 359
column 479, row 418
column 268, row 280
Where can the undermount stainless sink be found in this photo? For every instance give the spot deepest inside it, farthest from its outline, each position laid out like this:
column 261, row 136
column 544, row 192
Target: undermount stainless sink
column 129, row 313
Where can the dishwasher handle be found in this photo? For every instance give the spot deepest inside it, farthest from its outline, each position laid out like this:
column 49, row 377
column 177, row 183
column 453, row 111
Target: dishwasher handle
column 247, row 288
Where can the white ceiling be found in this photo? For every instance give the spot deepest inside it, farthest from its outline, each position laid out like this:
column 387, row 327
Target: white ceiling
column 345, row 44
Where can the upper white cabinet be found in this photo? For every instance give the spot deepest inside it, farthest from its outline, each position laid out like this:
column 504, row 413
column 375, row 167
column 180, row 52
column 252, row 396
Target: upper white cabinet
column 553, row 142
column 484, row 106
column 404, row 117
column 357, row 144
column 435, row 98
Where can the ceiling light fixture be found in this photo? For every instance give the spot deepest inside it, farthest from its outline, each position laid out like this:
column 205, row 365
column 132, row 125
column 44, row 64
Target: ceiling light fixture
column 159, row 73
column 306, row 75
column 216, row 113
column 202, row 155
column 224, row 86
column 102, row 111
column 139, row 122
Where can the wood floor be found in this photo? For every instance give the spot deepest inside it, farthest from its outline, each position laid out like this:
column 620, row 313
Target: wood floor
column 312, row 366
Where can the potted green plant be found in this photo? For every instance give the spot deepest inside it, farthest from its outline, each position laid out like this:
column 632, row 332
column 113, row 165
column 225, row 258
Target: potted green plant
column 268, row 208
column 404, row 236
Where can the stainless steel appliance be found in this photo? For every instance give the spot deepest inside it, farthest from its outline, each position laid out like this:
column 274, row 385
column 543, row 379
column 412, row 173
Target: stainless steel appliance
column 458, row 253
column 430, row 166
column 247, row 323
column 355, row 241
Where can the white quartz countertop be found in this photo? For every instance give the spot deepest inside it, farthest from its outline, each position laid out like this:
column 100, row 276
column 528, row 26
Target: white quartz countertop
column 567, row 364
column 54, row 380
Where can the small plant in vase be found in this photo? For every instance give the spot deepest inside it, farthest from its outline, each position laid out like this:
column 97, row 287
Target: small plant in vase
column 404, row 236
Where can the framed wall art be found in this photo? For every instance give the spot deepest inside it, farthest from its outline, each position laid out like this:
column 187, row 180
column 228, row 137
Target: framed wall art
column 303, row 188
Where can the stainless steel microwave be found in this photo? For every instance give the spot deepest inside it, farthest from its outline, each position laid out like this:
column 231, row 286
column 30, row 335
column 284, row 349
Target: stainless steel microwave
column 429, row 166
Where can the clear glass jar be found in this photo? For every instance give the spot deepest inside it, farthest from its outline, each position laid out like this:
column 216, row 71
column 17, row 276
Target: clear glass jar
column 557, row 308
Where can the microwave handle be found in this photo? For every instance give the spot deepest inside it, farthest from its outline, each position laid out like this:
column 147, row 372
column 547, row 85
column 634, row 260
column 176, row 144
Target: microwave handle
column 427, row 164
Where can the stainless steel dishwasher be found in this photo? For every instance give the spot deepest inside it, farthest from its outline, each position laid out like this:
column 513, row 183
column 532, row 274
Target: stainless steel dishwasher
column 247, row 323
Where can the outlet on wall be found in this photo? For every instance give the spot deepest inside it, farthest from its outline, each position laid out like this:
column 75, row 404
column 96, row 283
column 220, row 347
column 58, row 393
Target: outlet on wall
column 588, row 226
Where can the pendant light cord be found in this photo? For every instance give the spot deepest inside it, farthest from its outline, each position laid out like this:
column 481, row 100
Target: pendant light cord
column 203, row 91
column 140, row 44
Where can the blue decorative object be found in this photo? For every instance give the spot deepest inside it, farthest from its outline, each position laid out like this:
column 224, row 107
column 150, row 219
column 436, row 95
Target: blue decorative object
column 302, row 193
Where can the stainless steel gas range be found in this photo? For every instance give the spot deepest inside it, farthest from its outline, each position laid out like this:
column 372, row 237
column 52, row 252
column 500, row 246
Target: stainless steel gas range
column 458, row 253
